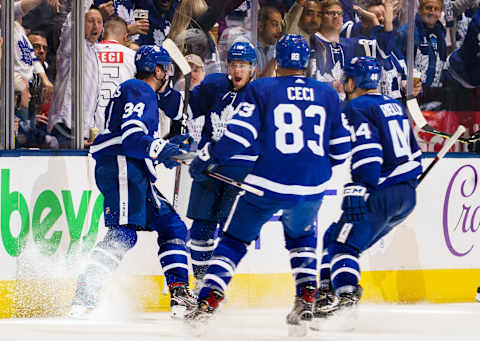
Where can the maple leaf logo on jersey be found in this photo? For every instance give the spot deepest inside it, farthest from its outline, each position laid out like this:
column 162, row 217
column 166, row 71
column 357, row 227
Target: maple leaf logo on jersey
column 219, row 123
column 158, row 37
column 26, row 51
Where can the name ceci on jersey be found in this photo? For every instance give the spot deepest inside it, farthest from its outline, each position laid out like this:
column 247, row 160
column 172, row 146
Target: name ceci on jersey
column 111, row 56
column 300, row 93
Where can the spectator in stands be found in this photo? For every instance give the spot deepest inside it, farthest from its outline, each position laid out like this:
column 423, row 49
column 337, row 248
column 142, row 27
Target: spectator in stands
column 160, row 16
column 118, row 64
column 60, row 118
column 330, row 52
column 40, row 103
column 430, row 47
column 303, row 18
column 198, row 72
column 269, row 31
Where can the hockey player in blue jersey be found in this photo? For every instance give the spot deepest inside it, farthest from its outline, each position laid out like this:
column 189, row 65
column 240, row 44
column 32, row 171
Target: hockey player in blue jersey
column 296, row 123
column 215, row 98
column 126, row 154
column 384, row 169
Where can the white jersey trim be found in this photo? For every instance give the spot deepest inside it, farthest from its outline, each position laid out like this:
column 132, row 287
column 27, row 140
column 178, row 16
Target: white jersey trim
column 367, row 146
column 105, row 144
column 402, row 169
column 339, row 140
column 245, row 157
column 367, row 160
column 137, row 123
column 244, row 142
column 122, row 189
column 245, row 125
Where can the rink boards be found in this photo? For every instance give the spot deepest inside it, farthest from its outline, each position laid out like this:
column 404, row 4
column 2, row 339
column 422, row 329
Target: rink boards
column 51, row 216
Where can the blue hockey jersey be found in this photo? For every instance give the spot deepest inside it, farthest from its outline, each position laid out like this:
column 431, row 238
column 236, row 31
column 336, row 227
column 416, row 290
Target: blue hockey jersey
column 132, row 124
column 328, row 58
column 297, row 125
column 384, row 149
column 215, row 99
column 160, row 22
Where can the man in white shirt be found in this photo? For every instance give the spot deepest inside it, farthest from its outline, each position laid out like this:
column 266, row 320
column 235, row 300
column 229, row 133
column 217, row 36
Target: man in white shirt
column 60, row 118
column 118, row 64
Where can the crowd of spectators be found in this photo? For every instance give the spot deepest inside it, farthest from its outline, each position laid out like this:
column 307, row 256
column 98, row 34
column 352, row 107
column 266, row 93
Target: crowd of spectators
column 337, row 30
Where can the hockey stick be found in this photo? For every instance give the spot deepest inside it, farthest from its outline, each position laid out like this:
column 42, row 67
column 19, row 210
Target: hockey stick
column 186, row 70
column 224, row 178
column 446, row 147
column 421, row 122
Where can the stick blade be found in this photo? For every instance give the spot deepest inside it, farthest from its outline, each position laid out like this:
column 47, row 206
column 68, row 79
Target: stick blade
column 177, row 56
column 416, row 112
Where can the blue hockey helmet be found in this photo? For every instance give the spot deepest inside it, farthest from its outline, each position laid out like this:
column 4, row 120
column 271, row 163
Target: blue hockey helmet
column 242, row 50
column 148, row 57
column 365, row 71
column 292, row 52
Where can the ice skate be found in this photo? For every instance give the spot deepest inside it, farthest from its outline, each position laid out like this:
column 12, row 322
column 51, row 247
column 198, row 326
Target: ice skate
column 181, row 300
column 206, row 307
column 301, row 315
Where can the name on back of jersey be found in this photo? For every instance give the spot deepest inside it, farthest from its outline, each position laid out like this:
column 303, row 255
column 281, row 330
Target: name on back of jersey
column 391, row 109
column 300, row 93
column 111, row 56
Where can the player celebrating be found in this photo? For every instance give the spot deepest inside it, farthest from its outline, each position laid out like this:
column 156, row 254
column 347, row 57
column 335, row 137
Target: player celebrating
column 295, row 122
column 125, row 155
column 215, row 98
column 385, row 165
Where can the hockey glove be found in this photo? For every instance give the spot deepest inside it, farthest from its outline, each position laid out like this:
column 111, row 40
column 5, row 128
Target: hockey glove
column 353, row 205
column 474, row 147
column 201, row 164
column 161, row 151
column 183, row 141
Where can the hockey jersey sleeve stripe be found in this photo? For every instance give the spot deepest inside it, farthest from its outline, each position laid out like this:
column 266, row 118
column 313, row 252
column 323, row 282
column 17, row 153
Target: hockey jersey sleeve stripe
column 245, row 157
column 237, row 138
column 401, row 169
column 340, row 156
column 173, row 266
column 366, row 146
column 137, row 123
column 367, row 160
column 131, row 131
column 282, row 188
column 339, row 140
column 245, row 125
column 105, row 144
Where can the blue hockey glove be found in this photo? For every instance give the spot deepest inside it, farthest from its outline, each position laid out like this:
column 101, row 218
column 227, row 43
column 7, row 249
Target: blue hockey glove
column 201, row 164
column 161, row 151
column 184, row 141
column 353, row 205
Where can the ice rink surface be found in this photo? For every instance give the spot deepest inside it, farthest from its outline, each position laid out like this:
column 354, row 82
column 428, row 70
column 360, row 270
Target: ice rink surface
column 370, row 322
